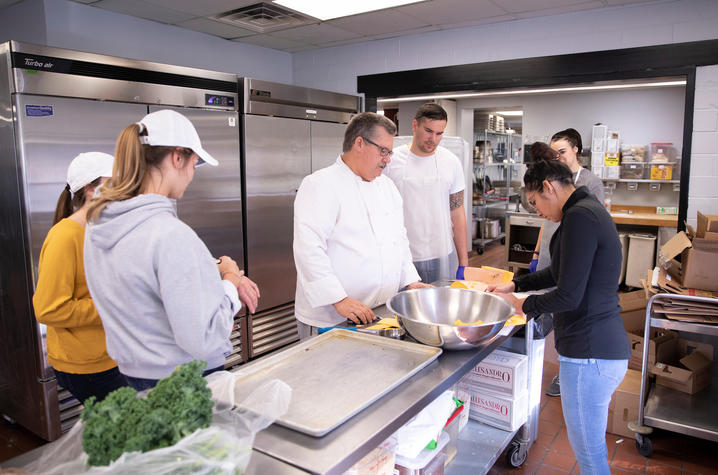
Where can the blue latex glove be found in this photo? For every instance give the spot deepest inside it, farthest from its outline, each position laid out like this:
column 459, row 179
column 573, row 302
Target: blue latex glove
column 460, row 272
column 533, row 265
column 326, row 329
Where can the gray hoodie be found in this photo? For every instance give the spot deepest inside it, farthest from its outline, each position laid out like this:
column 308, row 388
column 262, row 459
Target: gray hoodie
column 157, row 289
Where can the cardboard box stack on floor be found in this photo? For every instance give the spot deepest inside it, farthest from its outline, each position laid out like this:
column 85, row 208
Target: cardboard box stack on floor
column 623, row 407
column 697, row 272
column 498, row 390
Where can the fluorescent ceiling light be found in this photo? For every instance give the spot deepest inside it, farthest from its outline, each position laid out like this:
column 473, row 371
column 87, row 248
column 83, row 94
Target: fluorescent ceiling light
column 534, row 91
column 510, row 113
column 328, row 9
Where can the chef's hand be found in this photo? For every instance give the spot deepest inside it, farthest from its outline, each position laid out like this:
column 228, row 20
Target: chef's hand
column 227, row 266
column 354, row 310
column 418, row 285
column 248, row 293
column 506, row 288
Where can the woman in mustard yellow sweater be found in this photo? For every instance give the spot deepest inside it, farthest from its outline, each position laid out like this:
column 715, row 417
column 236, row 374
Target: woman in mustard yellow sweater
column 75, row 337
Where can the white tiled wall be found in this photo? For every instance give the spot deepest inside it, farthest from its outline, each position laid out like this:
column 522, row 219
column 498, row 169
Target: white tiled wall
column 703, row 188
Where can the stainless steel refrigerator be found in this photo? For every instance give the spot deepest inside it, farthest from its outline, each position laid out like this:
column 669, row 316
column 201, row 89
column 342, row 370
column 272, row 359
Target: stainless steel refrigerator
column 289, row 132
column 55, row 104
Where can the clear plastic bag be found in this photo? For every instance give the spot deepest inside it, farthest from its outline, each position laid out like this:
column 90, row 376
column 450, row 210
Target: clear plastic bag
column 223, row 448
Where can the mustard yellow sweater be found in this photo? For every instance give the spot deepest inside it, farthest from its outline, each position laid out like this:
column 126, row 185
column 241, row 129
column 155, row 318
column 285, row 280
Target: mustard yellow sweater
column 75, row 337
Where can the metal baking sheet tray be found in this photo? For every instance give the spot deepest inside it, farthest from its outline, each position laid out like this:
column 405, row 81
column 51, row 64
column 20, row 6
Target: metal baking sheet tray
column 335, row 375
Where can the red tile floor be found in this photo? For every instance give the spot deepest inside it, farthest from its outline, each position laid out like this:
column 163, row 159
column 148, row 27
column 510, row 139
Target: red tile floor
column 551, row 453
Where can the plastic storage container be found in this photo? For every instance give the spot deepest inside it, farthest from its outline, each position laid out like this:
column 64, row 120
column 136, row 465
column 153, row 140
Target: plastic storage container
column 453, row 427
column 662, row 152
column 641, row 249
column 623, row 237
column 633, row 170
column 662, row 171
column 379, row 461
column 428, row 462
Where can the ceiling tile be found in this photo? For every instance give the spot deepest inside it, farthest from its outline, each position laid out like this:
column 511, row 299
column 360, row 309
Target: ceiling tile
column 77, row 1
column 483, row 21
column 414, row 31
column 452, row 11
column 521, row 6
column 203, row 7
column 269, row 41
column 143, row 9
column 377, row 23
column 216, row 28
column 564, row 9
column 624, row 2
column 314, row 34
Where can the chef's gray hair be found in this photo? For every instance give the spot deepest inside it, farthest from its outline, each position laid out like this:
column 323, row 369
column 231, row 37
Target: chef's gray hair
column 364, row 124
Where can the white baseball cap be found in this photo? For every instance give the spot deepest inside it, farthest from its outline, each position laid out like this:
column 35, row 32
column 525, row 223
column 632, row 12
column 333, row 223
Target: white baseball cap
column 87, row 167
column 171, row 129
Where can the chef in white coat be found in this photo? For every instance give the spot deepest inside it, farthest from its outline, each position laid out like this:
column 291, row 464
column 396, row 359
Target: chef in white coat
column 350, row 244
column 431, row 182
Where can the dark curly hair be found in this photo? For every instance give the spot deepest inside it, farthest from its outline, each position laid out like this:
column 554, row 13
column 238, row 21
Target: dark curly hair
column 542, row 151
column 550, row 170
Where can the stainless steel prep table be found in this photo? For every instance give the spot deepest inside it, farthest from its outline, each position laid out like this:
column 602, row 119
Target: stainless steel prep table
column 340, row 449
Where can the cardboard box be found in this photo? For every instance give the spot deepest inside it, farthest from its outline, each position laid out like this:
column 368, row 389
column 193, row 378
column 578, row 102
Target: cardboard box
column 661, row 347
column 692, row 372
column 698, row 268
column 707, row 226
column 633, row 310
column 496, row 409
column 623, row 407
column 502, row 371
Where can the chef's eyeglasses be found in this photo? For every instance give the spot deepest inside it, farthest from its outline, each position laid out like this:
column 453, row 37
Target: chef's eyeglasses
column 383, row 151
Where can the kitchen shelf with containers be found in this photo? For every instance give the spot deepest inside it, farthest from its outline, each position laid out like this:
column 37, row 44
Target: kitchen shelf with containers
column 614, row 161
column 497, row 174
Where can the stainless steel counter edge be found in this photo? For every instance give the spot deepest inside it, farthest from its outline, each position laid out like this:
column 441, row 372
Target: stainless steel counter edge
column 340, row 449
column 259, row 464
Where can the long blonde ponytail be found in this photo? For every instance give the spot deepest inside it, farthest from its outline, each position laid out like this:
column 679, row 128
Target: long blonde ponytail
column 131, row 165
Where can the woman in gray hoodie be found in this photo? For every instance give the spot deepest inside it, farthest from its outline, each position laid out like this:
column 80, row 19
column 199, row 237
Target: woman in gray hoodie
column 162, row 297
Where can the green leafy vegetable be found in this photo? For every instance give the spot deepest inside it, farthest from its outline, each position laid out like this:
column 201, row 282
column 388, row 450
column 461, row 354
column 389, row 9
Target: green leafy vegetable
column 122, row 422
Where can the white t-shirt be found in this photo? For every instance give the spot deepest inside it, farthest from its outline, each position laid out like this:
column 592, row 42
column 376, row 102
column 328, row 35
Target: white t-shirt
column 451, row 173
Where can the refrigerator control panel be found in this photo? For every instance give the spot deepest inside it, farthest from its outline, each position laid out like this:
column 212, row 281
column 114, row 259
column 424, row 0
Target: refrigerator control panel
column 218, row 100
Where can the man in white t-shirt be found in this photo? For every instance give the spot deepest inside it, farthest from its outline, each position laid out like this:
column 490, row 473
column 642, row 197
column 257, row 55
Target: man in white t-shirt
column 431, row 182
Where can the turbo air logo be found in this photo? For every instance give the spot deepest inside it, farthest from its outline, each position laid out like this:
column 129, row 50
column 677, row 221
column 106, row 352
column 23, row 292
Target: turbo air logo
column 37, row 64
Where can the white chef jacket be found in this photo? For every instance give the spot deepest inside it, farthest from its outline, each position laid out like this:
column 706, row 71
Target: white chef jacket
column 349, row 241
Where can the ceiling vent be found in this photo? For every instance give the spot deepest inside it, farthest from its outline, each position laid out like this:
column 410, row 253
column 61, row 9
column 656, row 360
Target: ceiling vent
column 264, row 18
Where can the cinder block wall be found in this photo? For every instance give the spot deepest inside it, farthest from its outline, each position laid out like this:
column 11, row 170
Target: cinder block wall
column 703, row 189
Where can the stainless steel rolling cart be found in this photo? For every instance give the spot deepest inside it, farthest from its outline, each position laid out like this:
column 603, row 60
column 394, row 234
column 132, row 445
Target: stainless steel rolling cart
column 691, row 414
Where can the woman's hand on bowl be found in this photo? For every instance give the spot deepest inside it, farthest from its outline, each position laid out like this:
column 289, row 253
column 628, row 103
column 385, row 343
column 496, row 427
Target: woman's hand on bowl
column 516, row 302
column 419, row 285
column 506, row 288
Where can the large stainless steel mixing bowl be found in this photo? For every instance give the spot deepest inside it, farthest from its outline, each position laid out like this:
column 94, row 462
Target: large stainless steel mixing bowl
column 429, row 315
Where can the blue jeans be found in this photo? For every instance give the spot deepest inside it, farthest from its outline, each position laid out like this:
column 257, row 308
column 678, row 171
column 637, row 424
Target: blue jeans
column 140, row 384
column 82, row 386
column 586, row 389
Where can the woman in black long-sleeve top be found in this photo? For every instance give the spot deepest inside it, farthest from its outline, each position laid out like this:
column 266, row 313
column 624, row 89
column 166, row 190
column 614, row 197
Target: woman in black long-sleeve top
column 591, row 341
